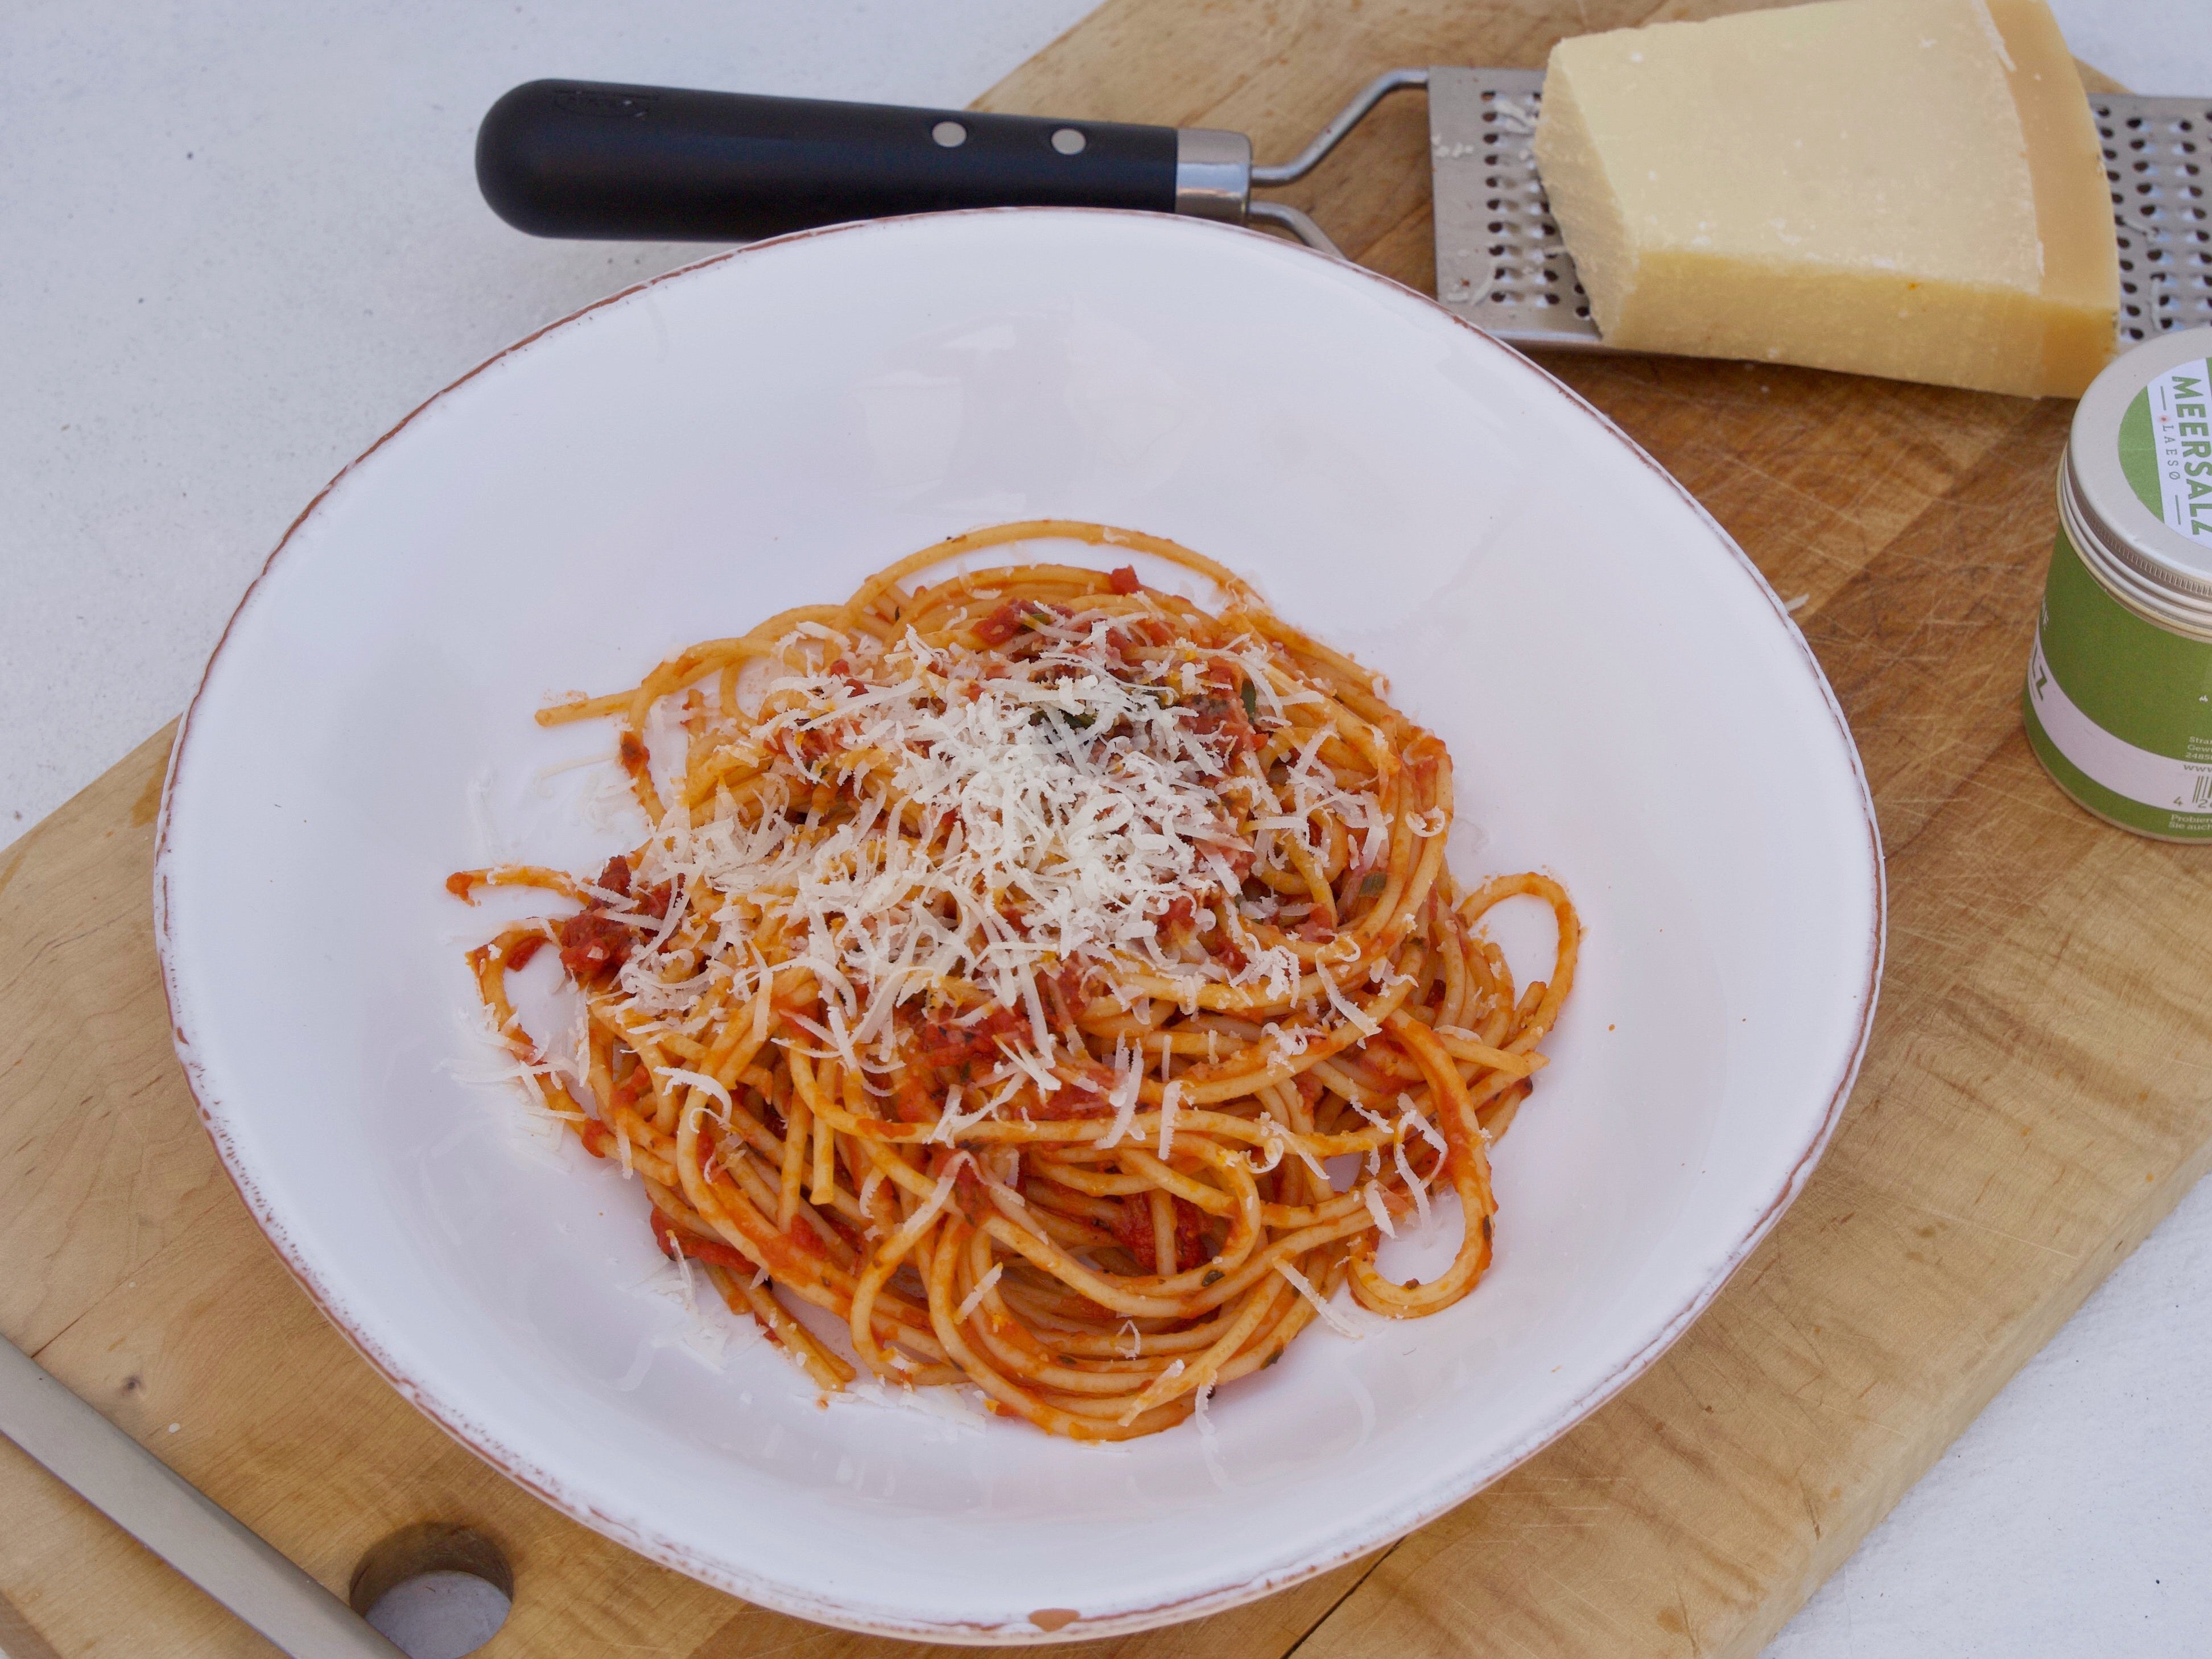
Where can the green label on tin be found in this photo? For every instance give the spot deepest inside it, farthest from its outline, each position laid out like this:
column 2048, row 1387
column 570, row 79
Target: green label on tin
column 2165, row 448
column 2120, row 709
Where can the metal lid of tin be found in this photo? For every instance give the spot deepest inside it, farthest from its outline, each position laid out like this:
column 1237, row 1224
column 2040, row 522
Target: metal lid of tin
column 2131, row 489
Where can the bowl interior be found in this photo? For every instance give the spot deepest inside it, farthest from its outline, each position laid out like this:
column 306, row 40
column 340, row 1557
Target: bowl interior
column 1626, row 706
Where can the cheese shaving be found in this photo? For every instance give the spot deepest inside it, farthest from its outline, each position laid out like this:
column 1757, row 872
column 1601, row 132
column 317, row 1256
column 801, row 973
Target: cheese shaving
column 941, row 1195
column 1373, row 1196
column 702, row 1082
column 1329, row 1317
column 974, row 1300
column 1128, row 1085
column 1170, row 1097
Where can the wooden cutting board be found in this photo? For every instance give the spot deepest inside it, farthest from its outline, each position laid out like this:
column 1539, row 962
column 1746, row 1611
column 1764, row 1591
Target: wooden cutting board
column 2035, row 1098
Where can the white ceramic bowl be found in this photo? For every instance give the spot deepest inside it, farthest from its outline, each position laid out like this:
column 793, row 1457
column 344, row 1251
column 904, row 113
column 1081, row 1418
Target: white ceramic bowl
column 1628, row 705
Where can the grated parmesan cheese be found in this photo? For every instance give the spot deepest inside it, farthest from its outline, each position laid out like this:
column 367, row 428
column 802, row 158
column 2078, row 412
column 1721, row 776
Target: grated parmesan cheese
column 1013, row 817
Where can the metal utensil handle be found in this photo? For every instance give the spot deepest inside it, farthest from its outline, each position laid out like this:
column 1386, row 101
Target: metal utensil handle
column 175, row 1520
column 578, row 158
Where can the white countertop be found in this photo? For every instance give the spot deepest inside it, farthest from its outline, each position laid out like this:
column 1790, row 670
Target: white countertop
column 242, row 241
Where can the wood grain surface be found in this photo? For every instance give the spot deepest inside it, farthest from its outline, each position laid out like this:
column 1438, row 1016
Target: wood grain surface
column 2035, row 1098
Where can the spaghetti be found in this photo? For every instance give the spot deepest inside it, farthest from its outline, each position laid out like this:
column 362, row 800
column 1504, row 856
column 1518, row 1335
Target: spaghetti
column 1008, row 961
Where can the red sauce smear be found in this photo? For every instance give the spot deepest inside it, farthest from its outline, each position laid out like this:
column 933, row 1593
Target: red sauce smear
column 1133, row 1231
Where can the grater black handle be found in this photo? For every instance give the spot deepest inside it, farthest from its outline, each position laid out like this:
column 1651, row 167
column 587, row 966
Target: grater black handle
column 580, row 158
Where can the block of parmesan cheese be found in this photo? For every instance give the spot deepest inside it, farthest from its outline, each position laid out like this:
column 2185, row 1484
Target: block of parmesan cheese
column 1910, row 188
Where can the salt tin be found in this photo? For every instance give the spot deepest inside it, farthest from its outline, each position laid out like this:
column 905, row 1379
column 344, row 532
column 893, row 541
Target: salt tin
column 2118, row 701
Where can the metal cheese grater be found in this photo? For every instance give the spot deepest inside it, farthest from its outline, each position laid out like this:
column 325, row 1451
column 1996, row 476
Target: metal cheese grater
column 1500, row 263
column 569, row 158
